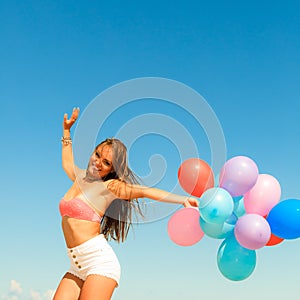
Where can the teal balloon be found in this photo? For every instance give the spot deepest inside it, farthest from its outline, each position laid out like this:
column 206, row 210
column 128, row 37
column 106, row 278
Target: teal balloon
column 235, row 262
column 237, row 198
column 216, row 205
column 219, row 230
column 239, row 207
column 284, row 219
column 216, row 180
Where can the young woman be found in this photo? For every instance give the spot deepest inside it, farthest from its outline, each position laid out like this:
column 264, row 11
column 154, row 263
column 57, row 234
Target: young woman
column 99, row 206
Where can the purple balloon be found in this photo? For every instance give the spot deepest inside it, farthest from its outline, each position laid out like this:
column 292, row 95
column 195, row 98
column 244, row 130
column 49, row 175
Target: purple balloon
column 252, row 231
column 238, row 175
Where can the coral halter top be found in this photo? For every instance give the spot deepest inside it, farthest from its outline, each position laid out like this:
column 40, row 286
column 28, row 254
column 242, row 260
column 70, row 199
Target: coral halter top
column 78, row 209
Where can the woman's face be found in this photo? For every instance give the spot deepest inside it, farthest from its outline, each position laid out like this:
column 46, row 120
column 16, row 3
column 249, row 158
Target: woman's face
column 100, row 163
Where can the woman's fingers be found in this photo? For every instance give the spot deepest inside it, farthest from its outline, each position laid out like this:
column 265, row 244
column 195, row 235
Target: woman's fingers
column 75, row 113
column 191, row 202
column 68, row 123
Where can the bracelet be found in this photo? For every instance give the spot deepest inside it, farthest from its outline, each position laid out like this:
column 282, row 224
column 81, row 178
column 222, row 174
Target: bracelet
column 66, row 140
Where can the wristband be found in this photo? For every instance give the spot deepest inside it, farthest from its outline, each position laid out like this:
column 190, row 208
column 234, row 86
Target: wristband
column 66, row 140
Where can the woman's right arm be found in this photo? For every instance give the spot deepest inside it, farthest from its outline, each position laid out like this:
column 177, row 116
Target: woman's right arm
column 130, row 191
column 67, row 152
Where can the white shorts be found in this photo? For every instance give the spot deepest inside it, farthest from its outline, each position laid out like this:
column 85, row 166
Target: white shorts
column 94, row 256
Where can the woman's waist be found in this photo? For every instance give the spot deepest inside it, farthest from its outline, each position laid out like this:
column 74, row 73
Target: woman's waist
column 77, row 231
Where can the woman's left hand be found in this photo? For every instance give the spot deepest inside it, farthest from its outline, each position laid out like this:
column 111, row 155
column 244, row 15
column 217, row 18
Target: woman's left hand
column 191, row 202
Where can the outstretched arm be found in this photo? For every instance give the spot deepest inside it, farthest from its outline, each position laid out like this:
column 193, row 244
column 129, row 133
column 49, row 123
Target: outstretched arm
column 164, row 196
column 67, row 152
column 128, row 191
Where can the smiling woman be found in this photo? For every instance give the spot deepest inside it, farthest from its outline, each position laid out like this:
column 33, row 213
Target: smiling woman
column 101, row 161
column 98, row 207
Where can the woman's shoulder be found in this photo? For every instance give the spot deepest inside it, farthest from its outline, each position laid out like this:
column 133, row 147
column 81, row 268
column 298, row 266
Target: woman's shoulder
column 125, row 190
column 112, row 184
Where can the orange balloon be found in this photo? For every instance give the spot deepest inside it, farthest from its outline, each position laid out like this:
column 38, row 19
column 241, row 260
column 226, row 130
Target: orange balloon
column 195, row 176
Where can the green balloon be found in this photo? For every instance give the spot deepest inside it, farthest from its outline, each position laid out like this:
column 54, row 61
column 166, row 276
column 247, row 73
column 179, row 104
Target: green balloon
column 234, row 261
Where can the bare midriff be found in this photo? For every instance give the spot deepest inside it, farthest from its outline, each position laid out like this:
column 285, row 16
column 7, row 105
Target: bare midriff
column 78, row 231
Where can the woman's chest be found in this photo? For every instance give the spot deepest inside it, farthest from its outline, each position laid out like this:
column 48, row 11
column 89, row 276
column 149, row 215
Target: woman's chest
column 95, row 194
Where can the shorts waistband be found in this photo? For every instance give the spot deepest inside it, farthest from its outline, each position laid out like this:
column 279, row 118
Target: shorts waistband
column 89, row 243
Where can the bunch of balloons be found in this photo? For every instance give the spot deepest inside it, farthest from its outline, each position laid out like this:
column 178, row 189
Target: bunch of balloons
column 240, row 206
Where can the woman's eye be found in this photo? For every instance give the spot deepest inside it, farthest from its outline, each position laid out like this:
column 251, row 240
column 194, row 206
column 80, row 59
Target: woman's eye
column 97, row 154
column 107, row 163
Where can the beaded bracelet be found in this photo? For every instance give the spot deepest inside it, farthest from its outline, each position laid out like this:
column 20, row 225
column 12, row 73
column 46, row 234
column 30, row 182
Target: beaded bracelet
column 66, row 140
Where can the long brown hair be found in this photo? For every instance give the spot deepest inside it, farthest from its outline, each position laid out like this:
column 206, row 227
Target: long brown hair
column 117, row 219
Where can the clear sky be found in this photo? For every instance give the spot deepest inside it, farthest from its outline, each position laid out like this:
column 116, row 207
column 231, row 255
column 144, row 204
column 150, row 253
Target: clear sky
column 243, row 58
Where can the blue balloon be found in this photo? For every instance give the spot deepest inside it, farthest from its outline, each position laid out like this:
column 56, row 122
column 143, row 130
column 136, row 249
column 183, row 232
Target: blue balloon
column 219, row 230
column 239, row 207
column 237, row 198
column 234, row 261
column 216, row 180
column 216, row 205
column 284, row 219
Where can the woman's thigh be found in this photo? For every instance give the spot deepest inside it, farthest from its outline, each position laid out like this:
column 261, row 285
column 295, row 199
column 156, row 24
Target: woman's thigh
column 69, row 288
column 97, row 287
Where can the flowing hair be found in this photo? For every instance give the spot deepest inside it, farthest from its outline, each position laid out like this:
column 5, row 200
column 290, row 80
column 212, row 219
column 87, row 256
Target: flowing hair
column 117, row 220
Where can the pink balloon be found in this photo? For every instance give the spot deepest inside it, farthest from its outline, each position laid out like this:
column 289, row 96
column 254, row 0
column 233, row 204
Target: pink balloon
column 238, row 175
column 263, row 196
column 252, row 231
column 184, row 227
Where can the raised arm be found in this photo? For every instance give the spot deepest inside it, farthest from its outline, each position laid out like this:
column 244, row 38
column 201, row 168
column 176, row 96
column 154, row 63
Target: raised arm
column 128, row 191
column 67, row 152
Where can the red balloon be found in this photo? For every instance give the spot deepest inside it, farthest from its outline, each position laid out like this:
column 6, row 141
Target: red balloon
column 195, row 176
column 274, row 240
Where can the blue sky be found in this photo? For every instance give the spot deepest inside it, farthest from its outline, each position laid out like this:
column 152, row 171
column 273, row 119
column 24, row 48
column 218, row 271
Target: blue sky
column 242, row 57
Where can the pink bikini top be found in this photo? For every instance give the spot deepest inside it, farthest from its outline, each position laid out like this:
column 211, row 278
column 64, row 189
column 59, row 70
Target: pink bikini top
column 78, row 209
